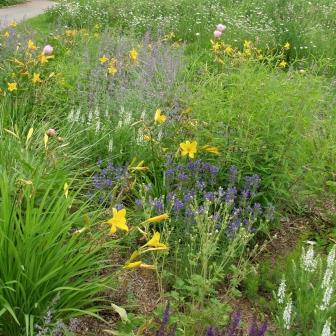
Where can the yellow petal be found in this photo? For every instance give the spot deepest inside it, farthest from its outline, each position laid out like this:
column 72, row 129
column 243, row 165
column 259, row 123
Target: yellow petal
column 158, row 219
column 66, row 189
column 46, row 139
column 30, row 133
column 133, row 265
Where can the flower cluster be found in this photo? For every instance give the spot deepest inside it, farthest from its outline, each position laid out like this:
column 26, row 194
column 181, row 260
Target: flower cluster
column 190, row 184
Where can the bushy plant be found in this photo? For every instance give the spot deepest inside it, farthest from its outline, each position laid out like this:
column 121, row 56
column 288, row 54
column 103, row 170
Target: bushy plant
column 305, row 297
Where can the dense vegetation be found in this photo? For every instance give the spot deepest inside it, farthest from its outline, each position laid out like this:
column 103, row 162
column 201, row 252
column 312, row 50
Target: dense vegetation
column 168, row 168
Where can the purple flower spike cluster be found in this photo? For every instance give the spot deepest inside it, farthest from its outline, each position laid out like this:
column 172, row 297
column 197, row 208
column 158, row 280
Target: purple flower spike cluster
column 108, row 178
column 163, row 330
column 199, row 181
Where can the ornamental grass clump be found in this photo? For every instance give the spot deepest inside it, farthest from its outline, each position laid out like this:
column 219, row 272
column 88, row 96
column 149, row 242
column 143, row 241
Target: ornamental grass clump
column 44, row 263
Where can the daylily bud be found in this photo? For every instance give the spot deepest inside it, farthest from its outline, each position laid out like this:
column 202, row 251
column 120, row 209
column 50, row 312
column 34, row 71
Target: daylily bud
column 48, row 50
column 51, row 132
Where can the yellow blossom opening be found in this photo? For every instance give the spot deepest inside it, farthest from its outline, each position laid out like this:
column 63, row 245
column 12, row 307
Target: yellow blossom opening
column 188, row 148
column 31, row 45
column 133, row 54
column 286, row 46
column 155, row 242
column 12, row 87
column 36, row 78
column 103, row 59
column 118, row 221
column 283, row 64
column 159, row 117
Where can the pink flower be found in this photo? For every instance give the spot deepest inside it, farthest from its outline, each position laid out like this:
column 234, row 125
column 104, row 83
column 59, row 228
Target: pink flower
column 221, row 27
column 48, row 50
column 217, row 33
column 51, row 132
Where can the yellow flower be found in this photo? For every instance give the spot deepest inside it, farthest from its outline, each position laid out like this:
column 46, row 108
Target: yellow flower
column 13, row 24
column 133, row 54
column 44, row 59
column 31, row 45
column 286, row 46
column 158, row 219
column 147, row 137
column 189, row 148
column 283, row 64
column 229, row 51
column 118, row 221
column 12, row 87
column 247, row 44
column 70, row 33
column 6, row 34
column 66, row 189
column 103, row 59
column 155, row 242
column 36, row 78
column 145, row 266
column 211, row 149
column 159, row 118
column 112, row 70
column 215, row 46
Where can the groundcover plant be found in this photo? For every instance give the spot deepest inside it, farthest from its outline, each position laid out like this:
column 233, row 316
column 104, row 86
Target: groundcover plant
column 168, row 168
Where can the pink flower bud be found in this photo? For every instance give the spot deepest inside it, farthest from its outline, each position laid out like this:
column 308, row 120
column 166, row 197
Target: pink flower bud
column 51, row 132
column 217, row 33
column 48, row 50
column 221, row 27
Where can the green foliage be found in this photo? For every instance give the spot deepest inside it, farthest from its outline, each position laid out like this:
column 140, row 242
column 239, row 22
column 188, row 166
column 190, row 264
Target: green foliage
column 305, row 298
column 273, row 123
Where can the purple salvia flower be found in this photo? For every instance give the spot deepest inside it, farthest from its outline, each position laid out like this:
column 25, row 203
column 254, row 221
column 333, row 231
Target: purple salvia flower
column 210, row 331
column 235, row 320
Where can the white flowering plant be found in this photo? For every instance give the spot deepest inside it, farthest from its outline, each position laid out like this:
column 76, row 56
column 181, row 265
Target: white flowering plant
column 306, row 300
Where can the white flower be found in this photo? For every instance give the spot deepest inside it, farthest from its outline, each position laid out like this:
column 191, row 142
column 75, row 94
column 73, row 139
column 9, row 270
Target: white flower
column 71, row 116
column 287, row 315
column 97, row 125
column 308, row 259
column 110, row 146
column 326, row 329
column 327, row 278
column 331, row 257
column 326, row 298
column 282, row 291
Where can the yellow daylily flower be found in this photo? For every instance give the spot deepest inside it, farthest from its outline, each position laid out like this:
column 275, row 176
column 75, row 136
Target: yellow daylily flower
column 44, row 59
column 112, row 70
column 36, row 78
column 188, row 148
column 147, row 137
column 6, row 34
column 12, row 87
column 13, row 24
column 31, row 45
column 247, row 44
column 211, row 149
column 283, row 64
column 286, row 46
column 103, row 59
column 229, row 51
column 159, row 117
column 118, row 221
column 133, row 54
column 157, row 219
column 155, row 242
